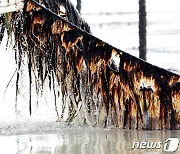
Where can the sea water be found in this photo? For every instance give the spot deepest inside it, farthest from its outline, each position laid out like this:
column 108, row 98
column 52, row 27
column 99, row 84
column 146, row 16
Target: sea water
column 85, row 141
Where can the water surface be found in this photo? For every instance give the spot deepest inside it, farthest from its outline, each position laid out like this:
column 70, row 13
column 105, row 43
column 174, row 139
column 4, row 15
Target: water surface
column 84, row 141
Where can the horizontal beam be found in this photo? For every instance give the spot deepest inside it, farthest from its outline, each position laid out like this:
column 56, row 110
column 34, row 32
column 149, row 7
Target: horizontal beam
column 7, row 6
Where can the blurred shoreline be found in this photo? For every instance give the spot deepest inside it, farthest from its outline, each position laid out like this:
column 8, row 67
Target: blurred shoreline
column 118, row 26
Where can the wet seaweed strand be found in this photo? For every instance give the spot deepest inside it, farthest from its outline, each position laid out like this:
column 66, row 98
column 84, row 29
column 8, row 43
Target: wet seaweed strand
column 132, row 94
column 15, row 21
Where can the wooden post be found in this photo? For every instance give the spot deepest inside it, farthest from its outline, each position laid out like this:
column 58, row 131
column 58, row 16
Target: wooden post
column 142, row 29
column 79, row 5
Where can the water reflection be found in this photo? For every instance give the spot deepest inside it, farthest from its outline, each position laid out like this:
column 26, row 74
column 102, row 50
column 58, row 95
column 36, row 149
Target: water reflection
column 85, row 141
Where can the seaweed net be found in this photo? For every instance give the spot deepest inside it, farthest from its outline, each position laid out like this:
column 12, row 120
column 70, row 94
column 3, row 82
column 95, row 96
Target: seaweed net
column 94, row 82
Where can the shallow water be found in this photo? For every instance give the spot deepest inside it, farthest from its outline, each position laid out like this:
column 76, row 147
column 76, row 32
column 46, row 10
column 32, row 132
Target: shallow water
column 84, row 141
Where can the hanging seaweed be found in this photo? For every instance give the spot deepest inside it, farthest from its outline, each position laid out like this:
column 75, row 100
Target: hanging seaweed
column 96, row 83
column 40, row 61
column 2, row 26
